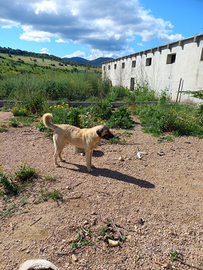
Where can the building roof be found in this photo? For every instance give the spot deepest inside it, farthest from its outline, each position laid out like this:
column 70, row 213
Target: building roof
column 159, row 48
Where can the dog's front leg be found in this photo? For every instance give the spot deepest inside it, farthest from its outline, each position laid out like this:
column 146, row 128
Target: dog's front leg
column 88, row 160
column 91, row 165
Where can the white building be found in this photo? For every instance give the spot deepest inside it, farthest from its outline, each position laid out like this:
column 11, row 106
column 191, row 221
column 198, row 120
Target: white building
column 175, row 66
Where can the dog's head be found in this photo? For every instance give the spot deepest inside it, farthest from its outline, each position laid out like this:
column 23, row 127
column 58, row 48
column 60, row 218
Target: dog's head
column 105, row 133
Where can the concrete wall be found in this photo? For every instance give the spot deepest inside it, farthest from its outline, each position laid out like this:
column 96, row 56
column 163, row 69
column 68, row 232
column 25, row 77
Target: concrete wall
column 162, row 68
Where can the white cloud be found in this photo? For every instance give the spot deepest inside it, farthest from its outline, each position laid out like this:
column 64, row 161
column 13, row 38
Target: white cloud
column 7, row 23
column 45, row 7
column 140, row 44
column 60, row 41
column 44, row 50
column 97, row 54
column 75, row 54
column 38, row 36
column 103, row 25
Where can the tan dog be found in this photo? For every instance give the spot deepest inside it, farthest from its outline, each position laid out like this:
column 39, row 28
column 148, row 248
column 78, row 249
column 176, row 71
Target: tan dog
column 86, row 138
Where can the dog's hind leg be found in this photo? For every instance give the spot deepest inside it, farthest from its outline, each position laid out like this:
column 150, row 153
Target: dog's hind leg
column 56, row 154
column 58, row 149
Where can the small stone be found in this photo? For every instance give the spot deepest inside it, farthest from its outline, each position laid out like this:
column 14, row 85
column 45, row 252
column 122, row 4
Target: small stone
column 129, row 237
column 113, row 243
column 140, row 220
column 74, row 258
column 121, row 158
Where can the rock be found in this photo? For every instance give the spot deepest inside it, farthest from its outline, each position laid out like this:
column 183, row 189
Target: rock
column 74, row 258
column 140, row 220
column 37, row 264
column 121, row 158
column 160, row 153
column 113, row 243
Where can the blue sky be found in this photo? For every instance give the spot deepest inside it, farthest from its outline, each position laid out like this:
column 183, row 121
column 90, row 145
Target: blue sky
column 91, row 29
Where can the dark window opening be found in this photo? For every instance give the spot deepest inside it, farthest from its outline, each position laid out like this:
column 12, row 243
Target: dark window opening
column 109, row 67
column 133, row 64
column 104, row 68
column 201, row 59
column 115, row 66
column 171, row 58
column 148, row 61
column 123, row 65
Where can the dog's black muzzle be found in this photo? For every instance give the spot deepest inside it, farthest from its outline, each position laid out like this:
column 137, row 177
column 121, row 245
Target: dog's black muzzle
column 108, row 136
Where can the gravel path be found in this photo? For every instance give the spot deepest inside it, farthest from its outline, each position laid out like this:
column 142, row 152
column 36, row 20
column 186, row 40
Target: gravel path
column 155, row 202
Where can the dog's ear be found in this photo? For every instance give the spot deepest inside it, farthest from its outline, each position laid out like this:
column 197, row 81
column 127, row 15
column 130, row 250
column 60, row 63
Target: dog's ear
column 99, row 132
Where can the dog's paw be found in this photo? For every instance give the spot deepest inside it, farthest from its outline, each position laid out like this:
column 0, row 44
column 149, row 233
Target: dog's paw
column 92, row 166
column 90, row 170
column 58, row 166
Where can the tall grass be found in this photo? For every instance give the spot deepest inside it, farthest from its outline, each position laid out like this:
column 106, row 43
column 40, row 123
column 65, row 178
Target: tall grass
column 56, row 86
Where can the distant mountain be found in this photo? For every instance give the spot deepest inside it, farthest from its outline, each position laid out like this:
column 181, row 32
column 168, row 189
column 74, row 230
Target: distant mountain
column 97, row 62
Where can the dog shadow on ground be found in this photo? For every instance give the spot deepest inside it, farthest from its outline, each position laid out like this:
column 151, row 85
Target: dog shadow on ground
column 111, row 174
column 97, row 153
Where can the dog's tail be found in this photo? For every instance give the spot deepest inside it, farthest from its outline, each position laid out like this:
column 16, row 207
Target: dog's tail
column 46, row 117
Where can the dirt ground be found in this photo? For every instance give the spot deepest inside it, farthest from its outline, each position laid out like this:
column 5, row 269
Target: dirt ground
column 155, row 202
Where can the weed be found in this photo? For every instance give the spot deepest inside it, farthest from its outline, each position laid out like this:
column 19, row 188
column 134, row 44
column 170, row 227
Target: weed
column 50, row 178
column 3, row 128
column 165, row 138
column 117, row 139
column 13, row 185
column 174, row 255
column 13, row 122
column 26, row 120
column 25, row 173
column 9, row 187
column 81, row 239
column 54, row 195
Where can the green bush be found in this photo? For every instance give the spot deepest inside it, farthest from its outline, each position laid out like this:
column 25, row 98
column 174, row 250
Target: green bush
column 118, row 93
column 74, row 118
column 143, row 93
column 121, row 118
column 169, row 117
column 102, row 110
